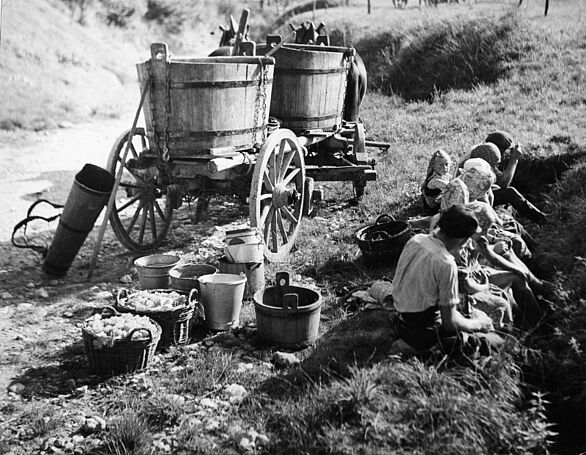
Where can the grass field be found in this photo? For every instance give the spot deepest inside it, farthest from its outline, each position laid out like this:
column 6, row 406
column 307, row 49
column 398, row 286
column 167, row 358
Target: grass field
column 349, row 395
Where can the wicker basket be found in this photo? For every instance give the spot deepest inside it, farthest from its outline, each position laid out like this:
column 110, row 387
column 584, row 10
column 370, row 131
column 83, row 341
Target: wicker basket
column 383, row 241
column 125, row 356
column 175, row 324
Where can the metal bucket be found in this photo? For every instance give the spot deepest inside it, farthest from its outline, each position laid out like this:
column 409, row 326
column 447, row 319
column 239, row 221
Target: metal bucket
column 221, row 298
column 245, row 235
column 244, row 253
column 287, row 316
column 254, row 271
column 88, row 196
column 185, row 277
column 244, row 246
column 153, row 270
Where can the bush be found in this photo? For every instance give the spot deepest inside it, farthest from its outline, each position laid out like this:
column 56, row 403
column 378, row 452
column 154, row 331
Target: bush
column 174, row 15
column 128, row 434
column 118, row 12
column 424, row 61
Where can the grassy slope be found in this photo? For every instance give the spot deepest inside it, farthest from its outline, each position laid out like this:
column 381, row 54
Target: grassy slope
column 54, row 69
column 541, row 101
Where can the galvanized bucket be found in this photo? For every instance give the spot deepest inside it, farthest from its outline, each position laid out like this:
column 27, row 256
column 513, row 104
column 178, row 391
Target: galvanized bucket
column 186, row 277
column 153, row 270
column 221, row 298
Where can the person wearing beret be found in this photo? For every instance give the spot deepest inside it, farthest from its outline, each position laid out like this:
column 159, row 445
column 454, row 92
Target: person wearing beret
column 425, row 289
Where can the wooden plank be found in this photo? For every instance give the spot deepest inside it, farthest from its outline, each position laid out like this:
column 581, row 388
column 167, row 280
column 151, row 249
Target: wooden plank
column 335, row 174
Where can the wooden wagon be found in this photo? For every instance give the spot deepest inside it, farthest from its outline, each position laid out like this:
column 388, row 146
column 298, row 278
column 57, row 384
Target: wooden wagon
column 208, row 131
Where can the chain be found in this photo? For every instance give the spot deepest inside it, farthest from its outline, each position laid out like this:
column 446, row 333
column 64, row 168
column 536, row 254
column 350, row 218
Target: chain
column 167, row 110
column 260, row 102
column 265, row 76
column 256, row 107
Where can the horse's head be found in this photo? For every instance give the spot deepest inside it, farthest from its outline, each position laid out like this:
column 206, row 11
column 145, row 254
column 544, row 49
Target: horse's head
column 307, row 33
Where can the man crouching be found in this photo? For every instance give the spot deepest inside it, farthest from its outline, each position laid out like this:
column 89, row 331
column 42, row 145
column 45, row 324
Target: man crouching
column 425, row 289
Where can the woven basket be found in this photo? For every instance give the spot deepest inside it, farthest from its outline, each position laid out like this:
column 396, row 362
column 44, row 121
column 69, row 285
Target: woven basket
column 175, row 324
column 383, row 241
column 125, row 356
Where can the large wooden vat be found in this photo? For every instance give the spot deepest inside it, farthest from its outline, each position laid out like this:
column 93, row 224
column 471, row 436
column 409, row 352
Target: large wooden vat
column 309, row 85
column 196, row 104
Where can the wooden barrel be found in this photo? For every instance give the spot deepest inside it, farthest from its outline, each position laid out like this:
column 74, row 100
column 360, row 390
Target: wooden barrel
column 309, row 85
column 196, row 104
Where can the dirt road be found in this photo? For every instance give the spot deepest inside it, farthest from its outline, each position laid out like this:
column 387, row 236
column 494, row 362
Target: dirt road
column 44, row 164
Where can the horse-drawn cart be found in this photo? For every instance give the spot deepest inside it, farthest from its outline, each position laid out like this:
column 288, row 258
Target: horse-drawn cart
column 208, row 131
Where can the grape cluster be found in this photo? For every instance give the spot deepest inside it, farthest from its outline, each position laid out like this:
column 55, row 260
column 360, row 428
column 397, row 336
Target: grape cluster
column 107, row 330
column 154, row 301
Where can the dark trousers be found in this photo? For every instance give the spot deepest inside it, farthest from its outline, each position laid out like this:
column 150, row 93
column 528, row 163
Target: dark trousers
column 525, row 208
column 423, row 330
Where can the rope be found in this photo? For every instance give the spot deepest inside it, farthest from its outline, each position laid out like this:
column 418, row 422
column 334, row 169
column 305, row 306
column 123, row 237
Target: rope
column 42, row 249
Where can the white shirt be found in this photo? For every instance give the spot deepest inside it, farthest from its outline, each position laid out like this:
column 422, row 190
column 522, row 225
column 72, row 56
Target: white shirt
column 426, row 276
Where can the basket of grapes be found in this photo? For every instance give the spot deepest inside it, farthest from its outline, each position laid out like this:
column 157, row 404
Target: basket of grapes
column 171, row 309
column 119, row 342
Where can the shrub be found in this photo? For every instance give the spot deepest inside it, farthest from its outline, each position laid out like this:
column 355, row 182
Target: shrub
column 128, row 434
column 426, row 60
column 118, row 12
column 162, row 409
column 174, row 15
column 41, row 419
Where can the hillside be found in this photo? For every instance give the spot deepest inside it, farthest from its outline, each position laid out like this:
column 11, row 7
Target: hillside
column 61, row 65
column 55, row 69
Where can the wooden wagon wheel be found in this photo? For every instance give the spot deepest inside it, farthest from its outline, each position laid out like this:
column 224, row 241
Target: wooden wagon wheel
column 277, row 193
column 142, row 211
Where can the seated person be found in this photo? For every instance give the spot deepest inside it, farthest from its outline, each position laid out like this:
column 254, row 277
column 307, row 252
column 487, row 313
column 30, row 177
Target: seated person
column 456, row 192
column 484, row 267
column 479, row 178
column 425, row 288
column 507, row 243
column 502, row 191
column 436, row 179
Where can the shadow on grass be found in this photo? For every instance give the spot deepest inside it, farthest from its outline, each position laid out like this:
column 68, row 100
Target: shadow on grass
column 361, row 340
column 54, row 377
